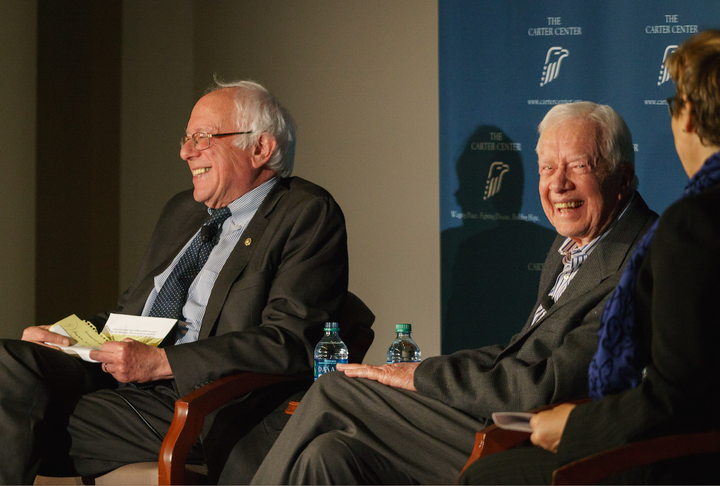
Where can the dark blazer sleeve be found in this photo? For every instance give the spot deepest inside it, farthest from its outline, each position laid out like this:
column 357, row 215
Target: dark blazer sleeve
column 548, row 361
column 677, row 313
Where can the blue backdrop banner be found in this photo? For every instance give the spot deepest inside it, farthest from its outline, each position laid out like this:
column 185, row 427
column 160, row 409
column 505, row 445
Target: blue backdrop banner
column 503, row 65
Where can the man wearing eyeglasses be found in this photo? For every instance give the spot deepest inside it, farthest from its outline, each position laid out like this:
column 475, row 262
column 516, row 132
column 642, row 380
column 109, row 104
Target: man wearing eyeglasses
column 253, row 260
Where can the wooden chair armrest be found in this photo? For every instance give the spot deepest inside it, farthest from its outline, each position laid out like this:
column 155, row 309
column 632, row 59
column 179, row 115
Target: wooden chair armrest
column 190, row 413
column 493, row 439
column 595, row 468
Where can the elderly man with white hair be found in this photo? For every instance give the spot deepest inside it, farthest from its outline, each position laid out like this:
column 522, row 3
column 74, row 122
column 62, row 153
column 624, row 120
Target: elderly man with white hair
column 414, row 423
column 252, row 260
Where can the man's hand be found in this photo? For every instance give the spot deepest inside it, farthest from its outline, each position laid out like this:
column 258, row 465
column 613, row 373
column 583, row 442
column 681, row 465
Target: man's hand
column 41, row 335
column 399, row 375
column 548, row 426
column 130, row 361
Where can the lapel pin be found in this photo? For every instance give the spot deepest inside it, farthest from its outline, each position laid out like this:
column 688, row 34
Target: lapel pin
column 248, row 241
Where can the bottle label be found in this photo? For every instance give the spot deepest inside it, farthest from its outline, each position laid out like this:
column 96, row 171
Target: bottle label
column 323, row 366
column 396, row 359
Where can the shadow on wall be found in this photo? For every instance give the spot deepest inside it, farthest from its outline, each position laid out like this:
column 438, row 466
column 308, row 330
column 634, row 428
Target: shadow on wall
column 491, row 264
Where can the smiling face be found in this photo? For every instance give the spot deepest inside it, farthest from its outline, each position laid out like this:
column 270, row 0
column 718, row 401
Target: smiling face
column 222, row 172
column 579, row 196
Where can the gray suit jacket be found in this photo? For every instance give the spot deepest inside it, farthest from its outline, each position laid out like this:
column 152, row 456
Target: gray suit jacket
column 287, row 276
column 547, row 362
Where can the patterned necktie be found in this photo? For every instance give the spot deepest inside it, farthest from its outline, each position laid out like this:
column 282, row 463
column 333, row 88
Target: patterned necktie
column 173, row 294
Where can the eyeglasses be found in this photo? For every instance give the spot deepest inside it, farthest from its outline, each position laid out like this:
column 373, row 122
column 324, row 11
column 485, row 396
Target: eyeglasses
column 671, row 104
column 202, row 140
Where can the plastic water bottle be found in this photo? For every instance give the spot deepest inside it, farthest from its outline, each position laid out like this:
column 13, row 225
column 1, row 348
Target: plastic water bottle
column 403, row 349
column 329, row 351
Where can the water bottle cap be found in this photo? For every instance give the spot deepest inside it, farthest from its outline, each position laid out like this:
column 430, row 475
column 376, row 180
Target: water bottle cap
column 403, row 327
column 330, row 326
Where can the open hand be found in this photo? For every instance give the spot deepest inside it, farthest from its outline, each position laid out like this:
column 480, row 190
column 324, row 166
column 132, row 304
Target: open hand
column 399, row 375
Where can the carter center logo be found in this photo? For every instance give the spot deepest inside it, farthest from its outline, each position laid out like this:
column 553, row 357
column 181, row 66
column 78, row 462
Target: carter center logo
column 664, row 74
column 494, row 180
column 551, row 70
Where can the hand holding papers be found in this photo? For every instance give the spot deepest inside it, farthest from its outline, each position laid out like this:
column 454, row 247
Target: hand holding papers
column 84, row 337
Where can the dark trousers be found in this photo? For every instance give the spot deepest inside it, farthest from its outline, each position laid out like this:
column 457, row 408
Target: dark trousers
column 357, row 431
column 527, row 464
column 61, row 416
column 243, row 448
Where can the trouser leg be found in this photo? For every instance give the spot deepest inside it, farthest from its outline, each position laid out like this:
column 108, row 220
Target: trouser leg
column 61, row 416
column 252, row 437
column 111, row 428
column 39, row 388
column 334, row 455
column 525, row 464
column 403, row 434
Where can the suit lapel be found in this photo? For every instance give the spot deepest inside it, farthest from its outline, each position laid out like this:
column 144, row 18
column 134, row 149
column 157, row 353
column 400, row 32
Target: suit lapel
column 239, row 258
column 171, row 245
column 603, row 262
column 551, row 269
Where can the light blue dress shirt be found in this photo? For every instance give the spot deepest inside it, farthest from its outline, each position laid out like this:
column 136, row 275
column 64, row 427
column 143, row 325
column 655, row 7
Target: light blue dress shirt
column 242, row 211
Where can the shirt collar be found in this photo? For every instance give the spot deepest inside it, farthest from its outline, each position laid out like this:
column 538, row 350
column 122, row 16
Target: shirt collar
column 243, row 208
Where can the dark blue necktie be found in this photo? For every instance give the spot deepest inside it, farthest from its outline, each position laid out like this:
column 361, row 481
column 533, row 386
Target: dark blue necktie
column 173, row 294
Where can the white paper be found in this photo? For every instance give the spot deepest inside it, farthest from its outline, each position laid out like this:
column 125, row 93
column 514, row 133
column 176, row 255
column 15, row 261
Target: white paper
column 150, row 330
column 78, row 351
column 519, row 421
column 138, row 326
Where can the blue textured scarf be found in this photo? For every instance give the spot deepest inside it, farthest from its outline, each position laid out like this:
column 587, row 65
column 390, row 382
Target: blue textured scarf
column 618, row 362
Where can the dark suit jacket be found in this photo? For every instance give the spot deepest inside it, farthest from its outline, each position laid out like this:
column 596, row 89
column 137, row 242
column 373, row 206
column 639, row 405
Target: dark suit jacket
column 678, row 287
column 287, row 275
column 547, row 362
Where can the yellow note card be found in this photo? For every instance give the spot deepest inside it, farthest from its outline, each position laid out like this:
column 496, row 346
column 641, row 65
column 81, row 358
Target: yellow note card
column 81, row 333
column 84, row 336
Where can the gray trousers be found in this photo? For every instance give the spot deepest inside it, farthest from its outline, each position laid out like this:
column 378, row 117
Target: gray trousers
column 61, row 416
column 358, row 431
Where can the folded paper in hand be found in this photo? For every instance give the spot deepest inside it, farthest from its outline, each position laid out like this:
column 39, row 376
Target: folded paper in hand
column 154, row 331
column 519, row 421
